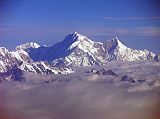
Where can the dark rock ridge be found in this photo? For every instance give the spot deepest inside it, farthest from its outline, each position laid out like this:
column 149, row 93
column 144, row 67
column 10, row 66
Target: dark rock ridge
column 129, row 79
column 157, row 58
column 14, row 73
column 108, row 72
column 103, row 72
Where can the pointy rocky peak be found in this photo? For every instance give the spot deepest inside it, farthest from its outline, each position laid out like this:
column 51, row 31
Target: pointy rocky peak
column 75, row 36
column 71, row 37
column 75, row 39
column 27, row 46
column 119, row 43
column 114, row 43
column 82, row 38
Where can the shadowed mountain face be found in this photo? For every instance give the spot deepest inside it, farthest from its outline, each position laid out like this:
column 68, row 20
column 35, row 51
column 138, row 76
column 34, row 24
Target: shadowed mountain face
column 58, row 50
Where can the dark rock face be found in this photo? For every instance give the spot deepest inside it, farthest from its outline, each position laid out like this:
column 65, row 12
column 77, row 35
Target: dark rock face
column 104, row 72
column 157, row 58
column 93, row 70
column 5, row 75
column 108, row 72
column 48, row 71
column 98, row 73
column 14, row 73
column 87, row 72
column 126, row 78
column 141, row 81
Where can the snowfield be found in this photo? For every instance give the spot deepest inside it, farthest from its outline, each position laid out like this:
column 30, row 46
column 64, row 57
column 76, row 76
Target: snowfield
column 117, row 90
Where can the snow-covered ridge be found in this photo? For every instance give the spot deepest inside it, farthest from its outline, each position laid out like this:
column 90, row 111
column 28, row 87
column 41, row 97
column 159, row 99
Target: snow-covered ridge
column 74, row 50
column 27, row 46
column 8, row 59
column 78, row 50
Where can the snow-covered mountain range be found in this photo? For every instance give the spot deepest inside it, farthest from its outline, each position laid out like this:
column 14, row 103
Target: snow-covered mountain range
column 74, row 50
column 20, row 57
column 78, row 50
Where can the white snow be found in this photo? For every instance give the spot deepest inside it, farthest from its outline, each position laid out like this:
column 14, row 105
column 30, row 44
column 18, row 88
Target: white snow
column 87, row 51
column 27, row 45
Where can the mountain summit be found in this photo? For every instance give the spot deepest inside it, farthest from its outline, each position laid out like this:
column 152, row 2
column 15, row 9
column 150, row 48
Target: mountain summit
column 78, row 50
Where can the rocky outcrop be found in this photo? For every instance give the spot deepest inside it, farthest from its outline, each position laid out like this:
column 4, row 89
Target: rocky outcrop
column 104, row 72
column 127, row 78
column 157, row 58
column 14, row 73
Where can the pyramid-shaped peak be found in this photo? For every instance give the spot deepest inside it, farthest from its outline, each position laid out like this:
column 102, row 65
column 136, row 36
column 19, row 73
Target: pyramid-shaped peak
column 119, row 43
column 76, row 33
column 115, row 43
column 116, row 40
column 75, row 36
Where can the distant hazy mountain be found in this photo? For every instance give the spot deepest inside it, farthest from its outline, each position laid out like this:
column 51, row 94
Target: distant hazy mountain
column 78, row 50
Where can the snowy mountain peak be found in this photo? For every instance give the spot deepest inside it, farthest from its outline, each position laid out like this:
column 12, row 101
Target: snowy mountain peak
column 115, row 43
column 27, row 46
column 75, row 33
column 119, row 43
column 78, row 40
column 74, row 37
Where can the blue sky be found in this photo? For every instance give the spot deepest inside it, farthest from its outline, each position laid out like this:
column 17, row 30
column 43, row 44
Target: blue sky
column 135, row 22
